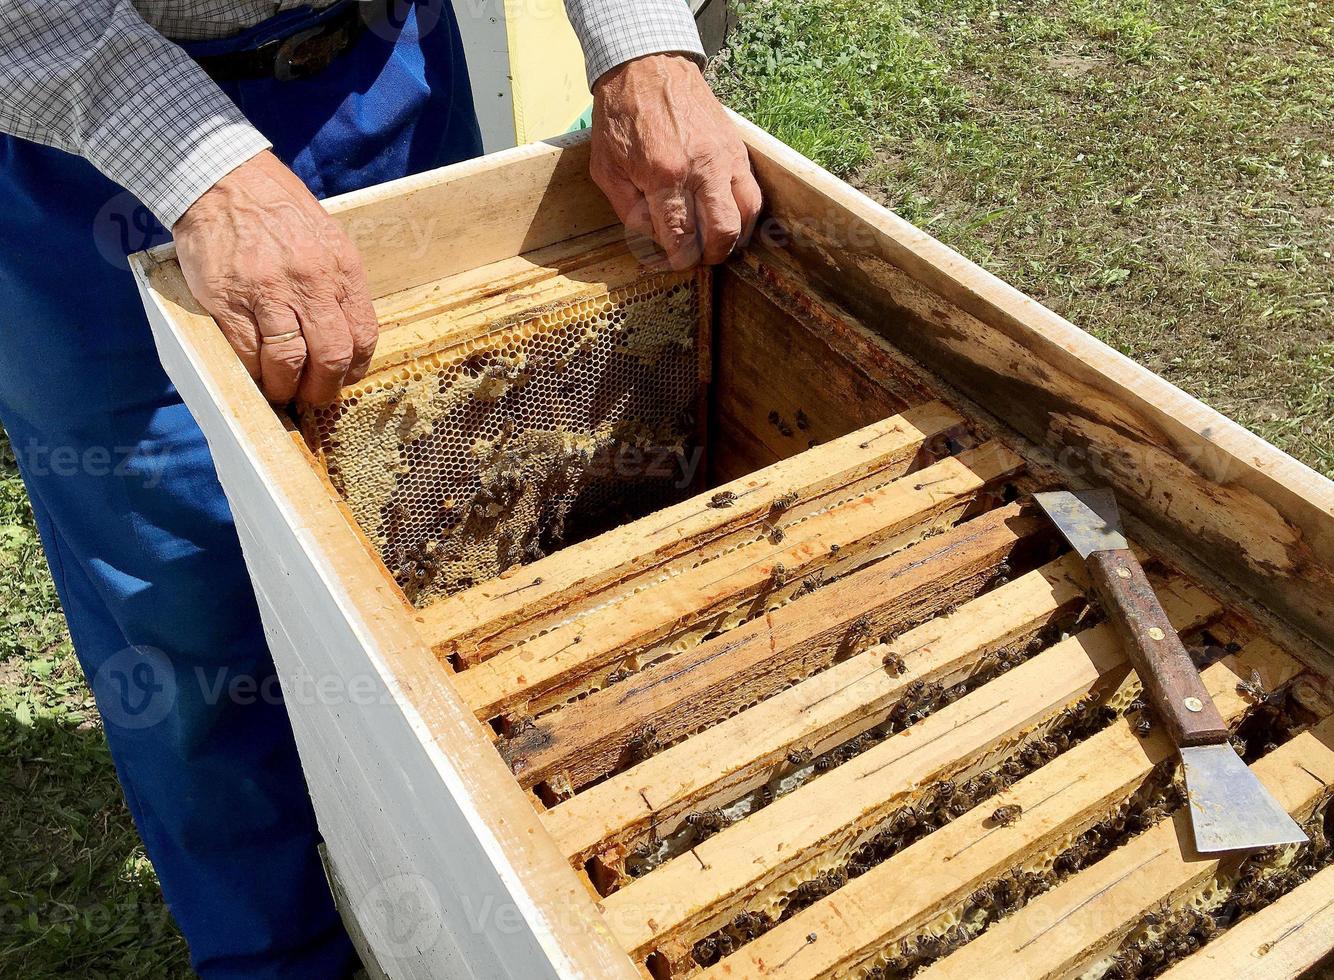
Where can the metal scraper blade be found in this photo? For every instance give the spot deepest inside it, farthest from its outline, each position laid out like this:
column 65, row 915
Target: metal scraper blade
column 1088, row 519
column 1230, row 809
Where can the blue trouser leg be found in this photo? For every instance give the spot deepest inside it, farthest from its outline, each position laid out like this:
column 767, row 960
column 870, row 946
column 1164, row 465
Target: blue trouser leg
column 137, row 532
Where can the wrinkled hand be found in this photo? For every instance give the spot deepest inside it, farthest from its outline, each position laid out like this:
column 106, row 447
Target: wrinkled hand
column 282, row 279
column 670, row 160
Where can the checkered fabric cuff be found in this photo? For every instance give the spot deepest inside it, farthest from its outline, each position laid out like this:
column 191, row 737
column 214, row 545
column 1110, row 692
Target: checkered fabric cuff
column 613, row 32
column 171, row 136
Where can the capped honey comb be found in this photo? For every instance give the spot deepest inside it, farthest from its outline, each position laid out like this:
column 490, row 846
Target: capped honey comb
column 538, row 431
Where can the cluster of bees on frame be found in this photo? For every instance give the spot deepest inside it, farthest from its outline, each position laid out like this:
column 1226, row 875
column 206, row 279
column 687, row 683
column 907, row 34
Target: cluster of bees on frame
column 939, row 804
column 1168, row 935
column 948, row 799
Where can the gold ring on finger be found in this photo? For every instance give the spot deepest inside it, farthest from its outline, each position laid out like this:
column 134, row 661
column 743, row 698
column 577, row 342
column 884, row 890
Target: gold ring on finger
column 278, row 338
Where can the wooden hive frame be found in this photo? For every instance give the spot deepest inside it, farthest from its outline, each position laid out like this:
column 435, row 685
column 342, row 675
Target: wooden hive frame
column 718, row 739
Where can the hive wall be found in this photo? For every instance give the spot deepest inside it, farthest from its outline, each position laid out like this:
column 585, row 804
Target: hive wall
column 543, row 430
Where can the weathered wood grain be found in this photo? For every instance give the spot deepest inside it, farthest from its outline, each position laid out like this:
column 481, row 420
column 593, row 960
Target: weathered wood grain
column 1263, row 520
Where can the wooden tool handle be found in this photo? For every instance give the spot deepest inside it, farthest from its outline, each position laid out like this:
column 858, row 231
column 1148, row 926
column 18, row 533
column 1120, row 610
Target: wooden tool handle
column 1170, row 678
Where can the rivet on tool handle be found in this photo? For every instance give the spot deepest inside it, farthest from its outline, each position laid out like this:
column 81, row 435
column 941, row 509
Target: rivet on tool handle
column 1170, row 678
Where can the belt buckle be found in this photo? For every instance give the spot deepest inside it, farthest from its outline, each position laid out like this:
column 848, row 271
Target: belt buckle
column 288, row 62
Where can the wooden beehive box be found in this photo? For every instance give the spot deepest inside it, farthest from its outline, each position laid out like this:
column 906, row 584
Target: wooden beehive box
column 639, row 623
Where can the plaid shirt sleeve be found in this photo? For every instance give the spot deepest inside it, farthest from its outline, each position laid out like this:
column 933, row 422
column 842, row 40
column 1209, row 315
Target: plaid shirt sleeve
column 614, row 31
column 90, row 77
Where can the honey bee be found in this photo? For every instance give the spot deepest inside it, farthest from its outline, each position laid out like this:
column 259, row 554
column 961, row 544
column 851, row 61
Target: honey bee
column 859, row 630
column 706, row 822
column 1143, row 726
column 798, row 757
column 778, row 574
column 782, row 503
column 721, row 499
column 803, row 423
column 1072, row 859
column 643, row 743
column 895, row 664
column 774, row 533
column 749, row 924
column 825, row 763
column 1254, row 689
column 809, row 584
column 706, row 951
column 1007, row 815
column 903, row 820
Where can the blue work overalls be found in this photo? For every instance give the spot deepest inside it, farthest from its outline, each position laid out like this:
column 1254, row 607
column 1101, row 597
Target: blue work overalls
column 136, row 530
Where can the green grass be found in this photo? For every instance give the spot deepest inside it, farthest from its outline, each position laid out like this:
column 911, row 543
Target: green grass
column 1159, row 173
column 77, row 895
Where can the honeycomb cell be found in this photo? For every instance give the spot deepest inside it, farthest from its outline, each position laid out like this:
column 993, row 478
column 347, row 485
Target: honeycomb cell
column 498, row 450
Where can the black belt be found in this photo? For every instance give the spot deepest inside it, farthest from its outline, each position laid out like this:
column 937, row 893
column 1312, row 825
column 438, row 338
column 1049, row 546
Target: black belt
column 298, row 55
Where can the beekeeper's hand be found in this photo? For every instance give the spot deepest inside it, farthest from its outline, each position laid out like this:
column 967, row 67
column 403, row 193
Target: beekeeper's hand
column 282, row 279
column 670, row 160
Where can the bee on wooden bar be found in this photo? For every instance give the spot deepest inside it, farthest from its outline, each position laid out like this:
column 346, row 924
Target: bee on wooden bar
column 774, row 533
column 799, row 757
column 826, row 762
column 783, row 502
column 643, row 743
column 903, row 820
column 803, row 423
column 859, row 631
column 809, row 584
column 856, row 867
column 778, row 574
column 706, row 822
column 749, row 924
column 721, row 499
column 706, row 951
column 520, row 723
column 1071, row 859
column 1143, row 726
column 895, row 664
column 1254, row 689
column 1007, row 815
